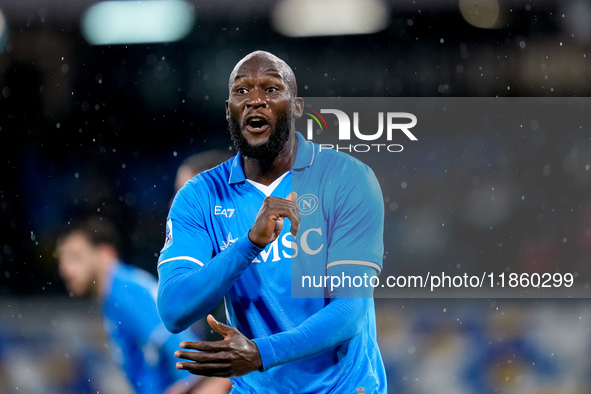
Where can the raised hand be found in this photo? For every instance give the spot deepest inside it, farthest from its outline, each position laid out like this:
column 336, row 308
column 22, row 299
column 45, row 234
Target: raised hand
column 235, row 355
column 269, row 221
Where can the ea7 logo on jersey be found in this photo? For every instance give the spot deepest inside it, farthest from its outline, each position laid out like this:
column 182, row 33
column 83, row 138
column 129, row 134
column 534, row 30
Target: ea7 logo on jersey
column 219, row 211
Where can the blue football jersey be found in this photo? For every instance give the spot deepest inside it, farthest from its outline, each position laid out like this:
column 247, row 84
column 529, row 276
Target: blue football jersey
column 342, row 214
column 139, row 342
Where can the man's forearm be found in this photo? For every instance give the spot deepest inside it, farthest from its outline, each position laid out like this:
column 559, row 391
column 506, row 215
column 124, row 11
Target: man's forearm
column 334, row 324
column 187, row 291
column 337, row 322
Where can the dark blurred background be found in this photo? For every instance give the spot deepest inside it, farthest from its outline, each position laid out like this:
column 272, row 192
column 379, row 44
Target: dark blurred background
column 102, row 128
column 89, row 128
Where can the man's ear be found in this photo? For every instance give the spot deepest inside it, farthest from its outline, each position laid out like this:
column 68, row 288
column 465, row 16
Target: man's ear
column 108, row 253
column 298, row 107
column 227, row 111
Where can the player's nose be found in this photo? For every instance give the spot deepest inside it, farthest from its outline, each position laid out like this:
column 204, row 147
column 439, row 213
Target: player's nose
column 256, row 99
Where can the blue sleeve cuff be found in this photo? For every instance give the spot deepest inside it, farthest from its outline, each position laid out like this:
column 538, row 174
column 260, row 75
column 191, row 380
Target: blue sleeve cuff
column 266, row 351
column 247, row 249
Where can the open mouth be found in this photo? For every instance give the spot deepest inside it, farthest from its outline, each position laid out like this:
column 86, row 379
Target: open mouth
column 257, row 124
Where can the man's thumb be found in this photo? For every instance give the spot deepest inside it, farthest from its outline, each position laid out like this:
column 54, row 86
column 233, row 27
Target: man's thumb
column 293, row 196
column 218, row 327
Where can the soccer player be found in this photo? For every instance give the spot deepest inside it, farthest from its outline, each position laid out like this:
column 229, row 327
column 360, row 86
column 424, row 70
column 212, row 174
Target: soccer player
column 89, row 265
column 235, row 230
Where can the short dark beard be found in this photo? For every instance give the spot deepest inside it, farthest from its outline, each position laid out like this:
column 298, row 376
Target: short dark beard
column 268, row 150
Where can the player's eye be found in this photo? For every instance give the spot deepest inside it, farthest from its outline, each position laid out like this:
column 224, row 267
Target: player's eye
column 241, row 90
column 272, row 89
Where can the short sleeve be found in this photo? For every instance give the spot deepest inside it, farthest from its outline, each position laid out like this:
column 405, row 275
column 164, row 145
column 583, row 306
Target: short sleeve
column 358, row 219
column 186, row 236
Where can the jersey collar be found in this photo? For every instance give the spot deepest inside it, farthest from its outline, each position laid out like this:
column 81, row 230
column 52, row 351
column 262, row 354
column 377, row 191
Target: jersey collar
column 305, row 154
column 237, row 172
column 304, row 158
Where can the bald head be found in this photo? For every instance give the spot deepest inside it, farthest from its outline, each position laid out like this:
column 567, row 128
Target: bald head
column 264, row 62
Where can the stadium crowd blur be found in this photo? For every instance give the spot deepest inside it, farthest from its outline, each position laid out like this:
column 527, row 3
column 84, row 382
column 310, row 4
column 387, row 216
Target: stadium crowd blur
column 89, row 129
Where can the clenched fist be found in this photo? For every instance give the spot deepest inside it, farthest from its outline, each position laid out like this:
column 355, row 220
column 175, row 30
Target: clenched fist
column 269, row 221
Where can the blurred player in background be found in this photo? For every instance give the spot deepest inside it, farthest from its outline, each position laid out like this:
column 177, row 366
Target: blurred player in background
column 231, row 233
column 197, row 163
column 89, row 265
